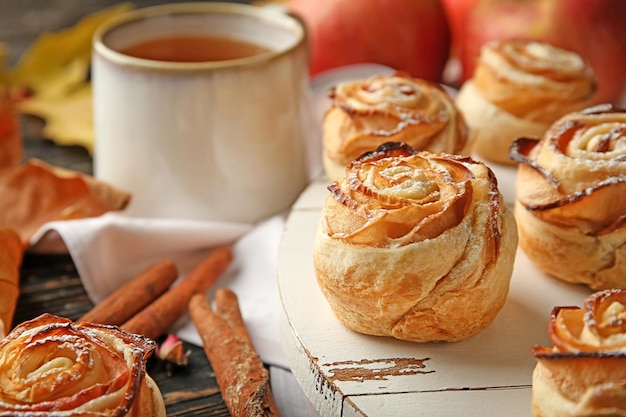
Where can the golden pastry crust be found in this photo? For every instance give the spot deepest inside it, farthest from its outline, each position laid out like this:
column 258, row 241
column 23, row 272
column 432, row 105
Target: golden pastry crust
column 570, row 188
column 416, row 246
column 51, row 366
column 584, row 373
column 518, row 90
column 399, row 108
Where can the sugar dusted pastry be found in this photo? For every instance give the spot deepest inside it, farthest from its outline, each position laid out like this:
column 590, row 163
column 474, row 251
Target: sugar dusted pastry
column 415, row 245
column 383, row 108
column 571, row 198
column 520, row 88
column 584, row 373
column 50, row 366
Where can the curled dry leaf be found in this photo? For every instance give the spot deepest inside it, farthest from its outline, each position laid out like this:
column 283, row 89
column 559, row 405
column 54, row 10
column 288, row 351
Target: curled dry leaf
column 54, row 71
column 36, row 193
column 10, row 259
column 10, row 138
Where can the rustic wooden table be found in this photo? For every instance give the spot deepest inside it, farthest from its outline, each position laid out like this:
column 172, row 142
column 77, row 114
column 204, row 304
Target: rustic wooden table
column 50, row 283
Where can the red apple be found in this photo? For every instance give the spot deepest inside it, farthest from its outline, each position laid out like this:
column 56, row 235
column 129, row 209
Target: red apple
column 595, row 29
column 408, row 35
column 457, row 12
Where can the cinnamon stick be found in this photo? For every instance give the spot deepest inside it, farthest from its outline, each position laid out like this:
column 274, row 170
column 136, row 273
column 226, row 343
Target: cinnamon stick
column 161, row 314
column 227, row 307
column 243, row 380
column 133, row 296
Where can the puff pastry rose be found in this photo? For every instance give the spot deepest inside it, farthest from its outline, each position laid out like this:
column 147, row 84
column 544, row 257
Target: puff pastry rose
column 50, row 366
column 584, row 374
column 415, row 245
column 384, row 108
column 520, row 88
column 571, row 198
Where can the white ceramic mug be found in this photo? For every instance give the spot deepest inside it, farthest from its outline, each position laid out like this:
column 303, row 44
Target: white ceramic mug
column 210, row 140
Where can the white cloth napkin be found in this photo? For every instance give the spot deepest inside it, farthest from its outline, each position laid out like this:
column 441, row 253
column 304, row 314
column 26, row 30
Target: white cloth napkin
column 111, row 249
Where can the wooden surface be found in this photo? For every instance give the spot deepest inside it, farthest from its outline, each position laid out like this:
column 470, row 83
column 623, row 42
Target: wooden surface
column 345, row 373
column 50, row 283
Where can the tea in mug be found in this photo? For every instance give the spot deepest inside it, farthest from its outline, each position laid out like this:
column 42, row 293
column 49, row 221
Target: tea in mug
column 194, row 49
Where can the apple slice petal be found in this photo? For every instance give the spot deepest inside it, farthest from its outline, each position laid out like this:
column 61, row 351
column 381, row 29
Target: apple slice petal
column 584, row 373
column 599, row 326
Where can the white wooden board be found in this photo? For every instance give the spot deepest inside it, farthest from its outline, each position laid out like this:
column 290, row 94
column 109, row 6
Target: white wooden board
column 345, row 373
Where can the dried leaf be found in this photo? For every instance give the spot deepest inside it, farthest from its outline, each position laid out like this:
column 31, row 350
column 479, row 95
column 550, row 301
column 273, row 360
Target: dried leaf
column 36, row 193
column 52, row 79
column 10, row 137
column 69, row 120
column 57, row 63
column 11, row 254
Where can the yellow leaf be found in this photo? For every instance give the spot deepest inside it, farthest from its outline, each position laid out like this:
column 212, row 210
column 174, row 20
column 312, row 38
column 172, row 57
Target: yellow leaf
column 55, row 68
column 58, row 62
column 69, row 119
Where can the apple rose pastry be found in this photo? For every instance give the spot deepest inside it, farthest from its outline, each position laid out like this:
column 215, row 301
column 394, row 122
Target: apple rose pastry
column 584, row 374
column 50, row 366
column 395, row 108
column 415, row 245
column 571, row 205
column 520, row 88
